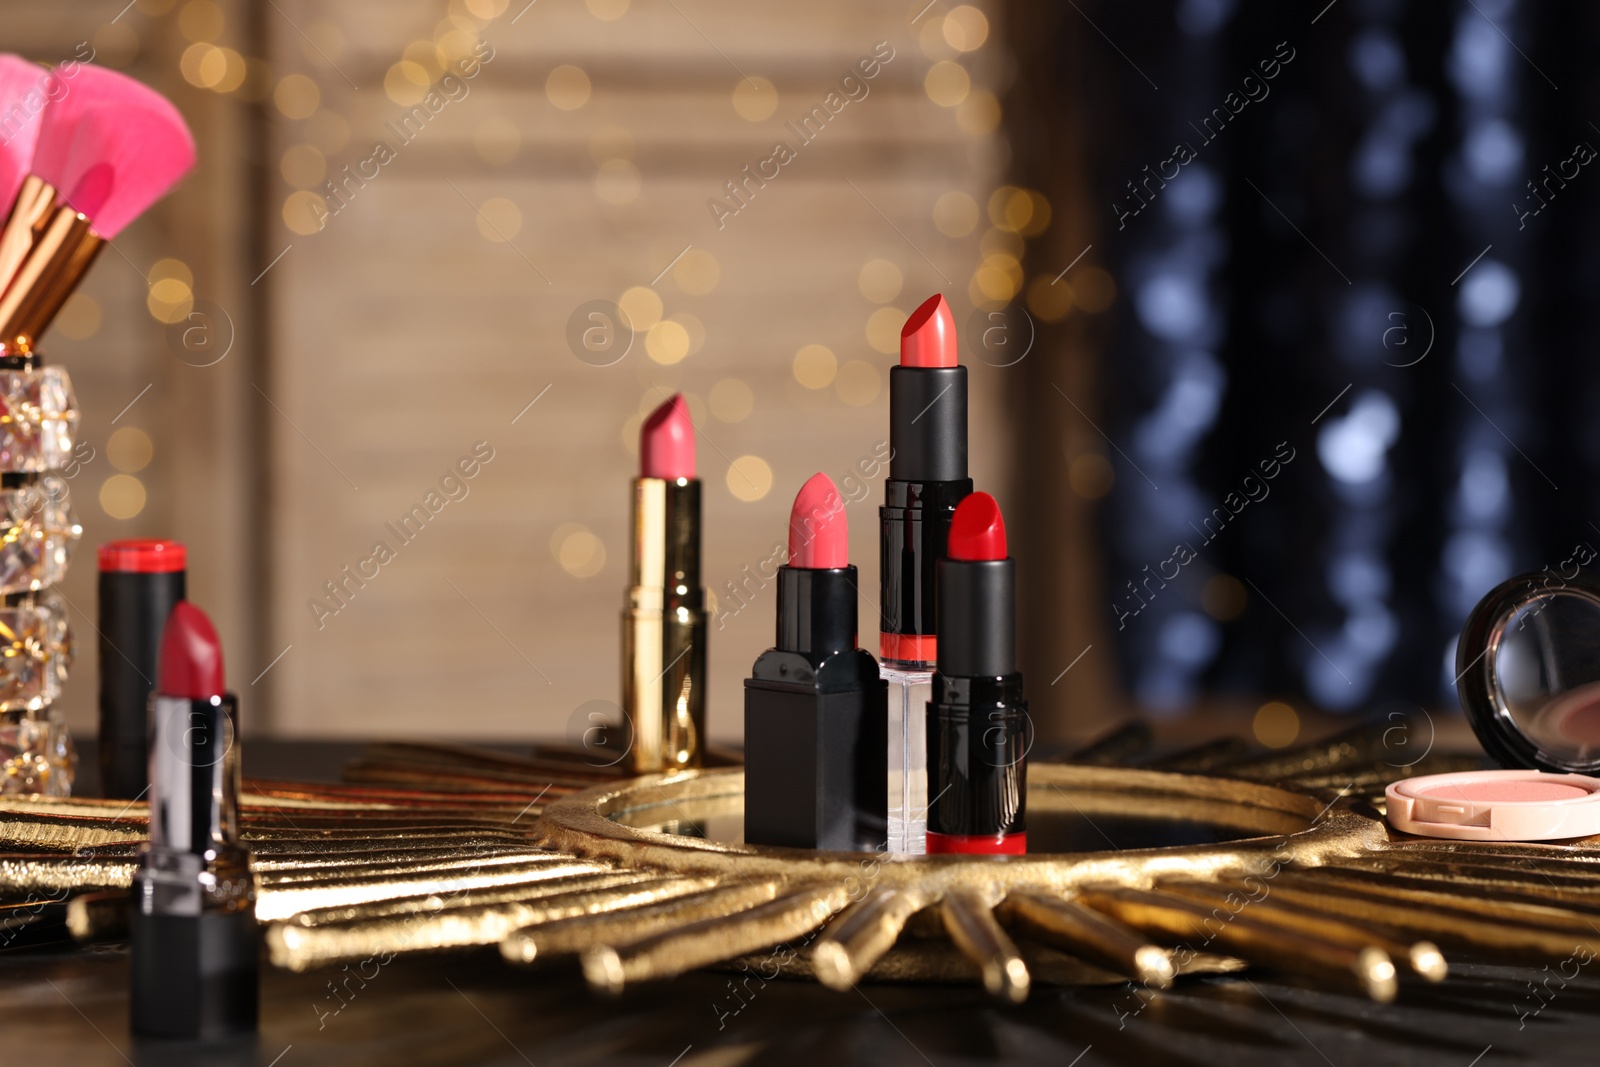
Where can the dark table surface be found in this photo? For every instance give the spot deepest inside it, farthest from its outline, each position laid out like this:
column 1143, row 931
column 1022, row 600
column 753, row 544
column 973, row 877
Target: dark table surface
column 69, row 1006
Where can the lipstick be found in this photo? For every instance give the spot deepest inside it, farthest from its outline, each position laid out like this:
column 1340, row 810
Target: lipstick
column 664, row 623
column 196, row 946
column 140, row 582
column 927, row 479
column 978, row 722
column 815, row 709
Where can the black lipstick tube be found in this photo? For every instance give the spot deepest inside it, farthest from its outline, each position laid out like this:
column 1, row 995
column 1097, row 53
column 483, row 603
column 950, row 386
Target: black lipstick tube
column 140, row 581
column 978, row 726
column 927, row 479
column 816, row 723
column 196, row 946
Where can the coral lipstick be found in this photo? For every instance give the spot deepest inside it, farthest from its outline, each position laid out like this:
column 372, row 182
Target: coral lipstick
column 927, row 479
column 928, row 339
column 664, row 622
column 978, row 726
column 196, row 945
column 815, row 713
column 819, row 536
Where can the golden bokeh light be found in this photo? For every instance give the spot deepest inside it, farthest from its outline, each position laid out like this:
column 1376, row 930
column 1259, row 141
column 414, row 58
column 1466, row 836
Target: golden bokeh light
column 171, row 268
column 618, row 182
column 406, row 83
column 567, row 87
column 122, row 496
column 667, row 342
column 1048, row 299
column 499, row 219
column 749, row 478
column 931, row 39
column 425, row 54
column 1276, row 724
column 170, row 300
column 947, row 83
column 297, row 96
column 697, row 272
column 979, row 114
column 578, row 551
column 305, row 212
column 732, row 400
column 955, row 214
column 80, row 317
column 1091, row 476
column 880, row 281
column 815, row 366
column 858, row 383
column 883, row 330
column 965, row 28
column 754, row 99
column 642, row 305
column 130, row 449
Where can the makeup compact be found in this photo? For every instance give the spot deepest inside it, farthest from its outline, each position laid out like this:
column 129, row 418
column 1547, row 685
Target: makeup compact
column 1514, row 805
column 1528, row 673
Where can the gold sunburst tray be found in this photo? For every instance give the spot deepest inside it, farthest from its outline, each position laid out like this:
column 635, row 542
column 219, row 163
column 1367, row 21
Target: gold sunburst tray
column 1284, row 863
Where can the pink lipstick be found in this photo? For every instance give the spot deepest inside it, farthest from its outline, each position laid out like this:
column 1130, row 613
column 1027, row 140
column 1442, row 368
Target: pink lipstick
column 196, row 945
column 978, row 725
column 815, row 711
column 666, row 442
column 664, row 622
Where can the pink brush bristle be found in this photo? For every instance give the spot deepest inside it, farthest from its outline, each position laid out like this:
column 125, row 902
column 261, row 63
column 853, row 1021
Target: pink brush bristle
column 111, row 146
column 22, row 100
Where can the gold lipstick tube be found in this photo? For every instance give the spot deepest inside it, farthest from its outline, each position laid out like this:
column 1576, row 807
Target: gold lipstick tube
column 664, row 628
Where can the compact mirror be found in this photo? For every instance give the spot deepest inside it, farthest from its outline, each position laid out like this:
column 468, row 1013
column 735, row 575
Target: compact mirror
column 1528, row 668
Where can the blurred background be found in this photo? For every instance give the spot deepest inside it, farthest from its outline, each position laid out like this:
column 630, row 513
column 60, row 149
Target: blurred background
column 1275, row 312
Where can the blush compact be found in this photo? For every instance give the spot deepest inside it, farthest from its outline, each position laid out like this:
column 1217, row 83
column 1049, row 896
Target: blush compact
column 1517, row 805
column 1528, row 675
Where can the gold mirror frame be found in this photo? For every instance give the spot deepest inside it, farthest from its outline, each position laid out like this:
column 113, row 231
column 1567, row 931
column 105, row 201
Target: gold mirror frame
column 435, row 849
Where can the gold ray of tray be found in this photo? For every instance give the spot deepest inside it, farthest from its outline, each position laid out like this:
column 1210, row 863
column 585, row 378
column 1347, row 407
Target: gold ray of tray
column 515, row 852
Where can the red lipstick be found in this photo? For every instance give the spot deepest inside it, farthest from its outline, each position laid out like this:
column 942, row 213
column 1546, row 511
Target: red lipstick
column 978, row 727
column 140, row 583
column 664, row 622
column 927, row 479
column 196, row 945
column 666, row 442
column 191, row 656
column 815, row 710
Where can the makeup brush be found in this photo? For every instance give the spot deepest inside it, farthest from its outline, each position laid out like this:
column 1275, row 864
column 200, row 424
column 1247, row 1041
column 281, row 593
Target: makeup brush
column 109, row 147
column 26, row 199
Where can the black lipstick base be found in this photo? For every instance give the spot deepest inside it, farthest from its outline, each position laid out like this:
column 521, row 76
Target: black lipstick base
column 816, row 724
column 194, row 976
